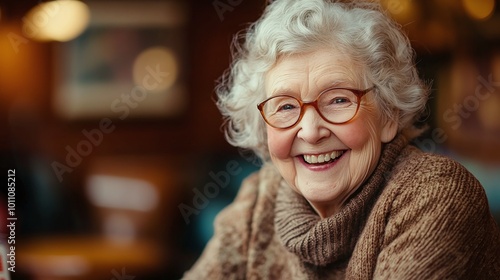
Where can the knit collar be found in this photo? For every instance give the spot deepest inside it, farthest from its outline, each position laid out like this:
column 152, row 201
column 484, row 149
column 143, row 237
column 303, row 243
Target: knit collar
column 324, row 241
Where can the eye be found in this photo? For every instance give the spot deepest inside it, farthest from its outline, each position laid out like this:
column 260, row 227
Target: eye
column 286, row 107
column 337, row 98
column 281, row 105
column 340, row 100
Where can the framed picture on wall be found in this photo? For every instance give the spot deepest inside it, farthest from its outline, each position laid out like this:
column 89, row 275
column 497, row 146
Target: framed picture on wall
column 128, row 63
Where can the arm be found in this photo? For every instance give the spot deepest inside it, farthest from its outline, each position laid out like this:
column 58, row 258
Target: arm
column 225, row 255
column 439, row 227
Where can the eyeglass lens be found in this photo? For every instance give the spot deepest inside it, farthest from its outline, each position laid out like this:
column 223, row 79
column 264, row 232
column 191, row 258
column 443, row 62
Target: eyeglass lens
column 335, row 105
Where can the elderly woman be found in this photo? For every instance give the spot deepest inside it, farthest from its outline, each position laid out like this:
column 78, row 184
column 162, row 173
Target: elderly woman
column 327, row 94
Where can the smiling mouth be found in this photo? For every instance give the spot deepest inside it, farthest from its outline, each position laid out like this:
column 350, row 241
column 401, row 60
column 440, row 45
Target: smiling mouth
column 323, row 158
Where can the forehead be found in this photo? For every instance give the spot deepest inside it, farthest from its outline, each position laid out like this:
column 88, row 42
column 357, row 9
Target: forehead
column 309, row 71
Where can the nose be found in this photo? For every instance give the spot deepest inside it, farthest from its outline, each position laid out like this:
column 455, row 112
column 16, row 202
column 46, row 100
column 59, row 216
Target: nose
column 312, row 126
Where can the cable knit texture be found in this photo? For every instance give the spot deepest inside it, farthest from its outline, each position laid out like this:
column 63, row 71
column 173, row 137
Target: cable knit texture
column 418, row 216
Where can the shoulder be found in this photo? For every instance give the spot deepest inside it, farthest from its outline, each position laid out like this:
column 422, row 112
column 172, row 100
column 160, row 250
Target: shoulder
column 226, row 253
column 255, row 189
column 233, row 226
column 434, row 194
column 432, row 210
column 428, row 191
column 421, row 174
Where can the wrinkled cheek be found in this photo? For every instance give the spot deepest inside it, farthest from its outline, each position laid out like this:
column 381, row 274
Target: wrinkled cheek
column 355, row 137
column 279, row 143
column 367, row 151
column 363, row 132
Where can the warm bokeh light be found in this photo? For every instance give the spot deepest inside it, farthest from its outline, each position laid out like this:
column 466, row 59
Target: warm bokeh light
column 439, row 35
column 489, row 114
column 401, row 10
column 122, row 193
column 60, row 20
column 479, row 9
column 155, row 69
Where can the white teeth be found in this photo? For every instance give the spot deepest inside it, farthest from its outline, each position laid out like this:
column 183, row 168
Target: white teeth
column 327, row 157
column 323, row 157
column 314, row 159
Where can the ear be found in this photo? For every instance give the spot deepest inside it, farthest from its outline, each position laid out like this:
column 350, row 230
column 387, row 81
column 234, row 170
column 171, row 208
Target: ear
column 389, row 130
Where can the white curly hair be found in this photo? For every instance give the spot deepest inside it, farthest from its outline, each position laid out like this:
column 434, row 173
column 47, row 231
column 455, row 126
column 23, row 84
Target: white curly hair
column 359, row 29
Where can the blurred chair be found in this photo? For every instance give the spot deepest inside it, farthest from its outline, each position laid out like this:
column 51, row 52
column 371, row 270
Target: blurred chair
column 128, row 198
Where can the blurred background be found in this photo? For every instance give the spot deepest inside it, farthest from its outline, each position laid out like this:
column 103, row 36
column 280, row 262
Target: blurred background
column 109, row 122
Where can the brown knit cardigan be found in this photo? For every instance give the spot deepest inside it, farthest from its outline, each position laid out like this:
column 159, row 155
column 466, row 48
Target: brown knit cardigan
column 419, row 216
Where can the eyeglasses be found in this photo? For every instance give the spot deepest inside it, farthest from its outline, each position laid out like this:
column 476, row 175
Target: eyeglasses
column 334, row 105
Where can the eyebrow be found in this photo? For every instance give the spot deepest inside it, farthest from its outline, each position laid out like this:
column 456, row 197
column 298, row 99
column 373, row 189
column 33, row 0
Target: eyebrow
column 339, row 83
column 284, row 90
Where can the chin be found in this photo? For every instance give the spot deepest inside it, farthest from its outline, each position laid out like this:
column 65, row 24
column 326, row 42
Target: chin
column 322, row 196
